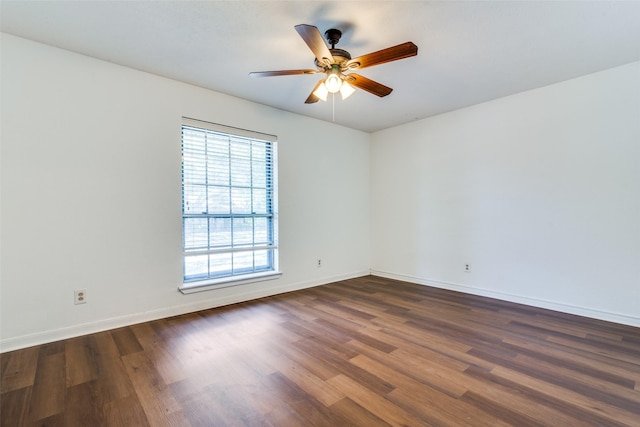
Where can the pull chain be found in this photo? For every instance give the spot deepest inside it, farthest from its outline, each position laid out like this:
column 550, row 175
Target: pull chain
column 333, row 101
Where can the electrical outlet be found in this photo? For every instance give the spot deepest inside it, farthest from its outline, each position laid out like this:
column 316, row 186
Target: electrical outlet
column 319, row 264
column 467, row 268
column 80, row 297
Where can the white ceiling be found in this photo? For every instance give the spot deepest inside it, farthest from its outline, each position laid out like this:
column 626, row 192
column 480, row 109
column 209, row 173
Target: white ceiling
column 469, row 51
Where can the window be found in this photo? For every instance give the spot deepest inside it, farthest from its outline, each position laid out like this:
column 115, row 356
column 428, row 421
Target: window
column 228, row 205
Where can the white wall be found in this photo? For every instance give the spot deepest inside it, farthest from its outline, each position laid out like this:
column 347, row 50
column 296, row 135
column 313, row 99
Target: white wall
column 539, row 192
column 91, row 194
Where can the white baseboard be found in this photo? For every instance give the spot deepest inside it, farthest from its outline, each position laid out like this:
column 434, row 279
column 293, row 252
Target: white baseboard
column 551, row 305
column 44, row 337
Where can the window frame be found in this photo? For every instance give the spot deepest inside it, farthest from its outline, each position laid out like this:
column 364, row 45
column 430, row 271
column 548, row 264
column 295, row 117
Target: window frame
column 234, row 135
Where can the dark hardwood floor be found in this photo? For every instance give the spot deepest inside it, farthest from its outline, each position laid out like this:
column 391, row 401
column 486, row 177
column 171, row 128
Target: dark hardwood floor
column 362, row 352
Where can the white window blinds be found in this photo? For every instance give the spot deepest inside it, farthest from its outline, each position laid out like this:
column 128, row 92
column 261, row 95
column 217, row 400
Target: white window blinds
column 228, row 202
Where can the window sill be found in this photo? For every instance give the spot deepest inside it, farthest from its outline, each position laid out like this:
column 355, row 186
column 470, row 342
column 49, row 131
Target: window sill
column 225, row 282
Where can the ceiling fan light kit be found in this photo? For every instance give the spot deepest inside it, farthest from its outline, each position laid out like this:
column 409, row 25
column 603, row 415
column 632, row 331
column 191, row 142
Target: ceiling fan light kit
column 320, row 91
column 335, row 62
column 346, row 90
column 333, row 80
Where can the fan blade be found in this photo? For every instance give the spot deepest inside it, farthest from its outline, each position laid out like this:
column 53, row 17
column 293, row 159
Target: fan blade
column 368, row 85
column 281, row 73
column 312, row 97
column 401, row 51
column 312, row 37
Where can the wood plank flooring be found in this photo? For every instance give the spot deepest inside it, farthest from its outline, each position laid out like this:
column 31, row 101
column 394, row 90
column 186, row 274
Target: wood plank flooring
column 361, row 352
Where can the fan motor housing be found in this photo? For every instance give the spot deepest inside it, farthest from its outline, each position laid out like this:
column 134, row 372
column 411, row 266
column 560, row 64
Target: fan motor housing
column 340, row 56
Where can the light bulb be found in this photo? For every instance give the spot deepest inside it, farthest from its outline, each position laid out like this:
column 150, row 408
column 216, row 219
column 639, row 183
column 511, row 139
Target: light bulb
column 321, row 92
column 333, row 83
column 346, row 90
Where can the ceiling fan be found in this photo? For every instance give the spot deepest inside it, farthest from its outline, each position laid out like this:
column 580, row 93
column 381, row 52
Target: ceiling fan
column 334, row 63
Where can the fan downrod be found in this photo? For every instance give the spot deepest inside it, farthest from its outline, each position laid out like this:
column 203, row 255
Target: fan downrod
column 333, row 36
